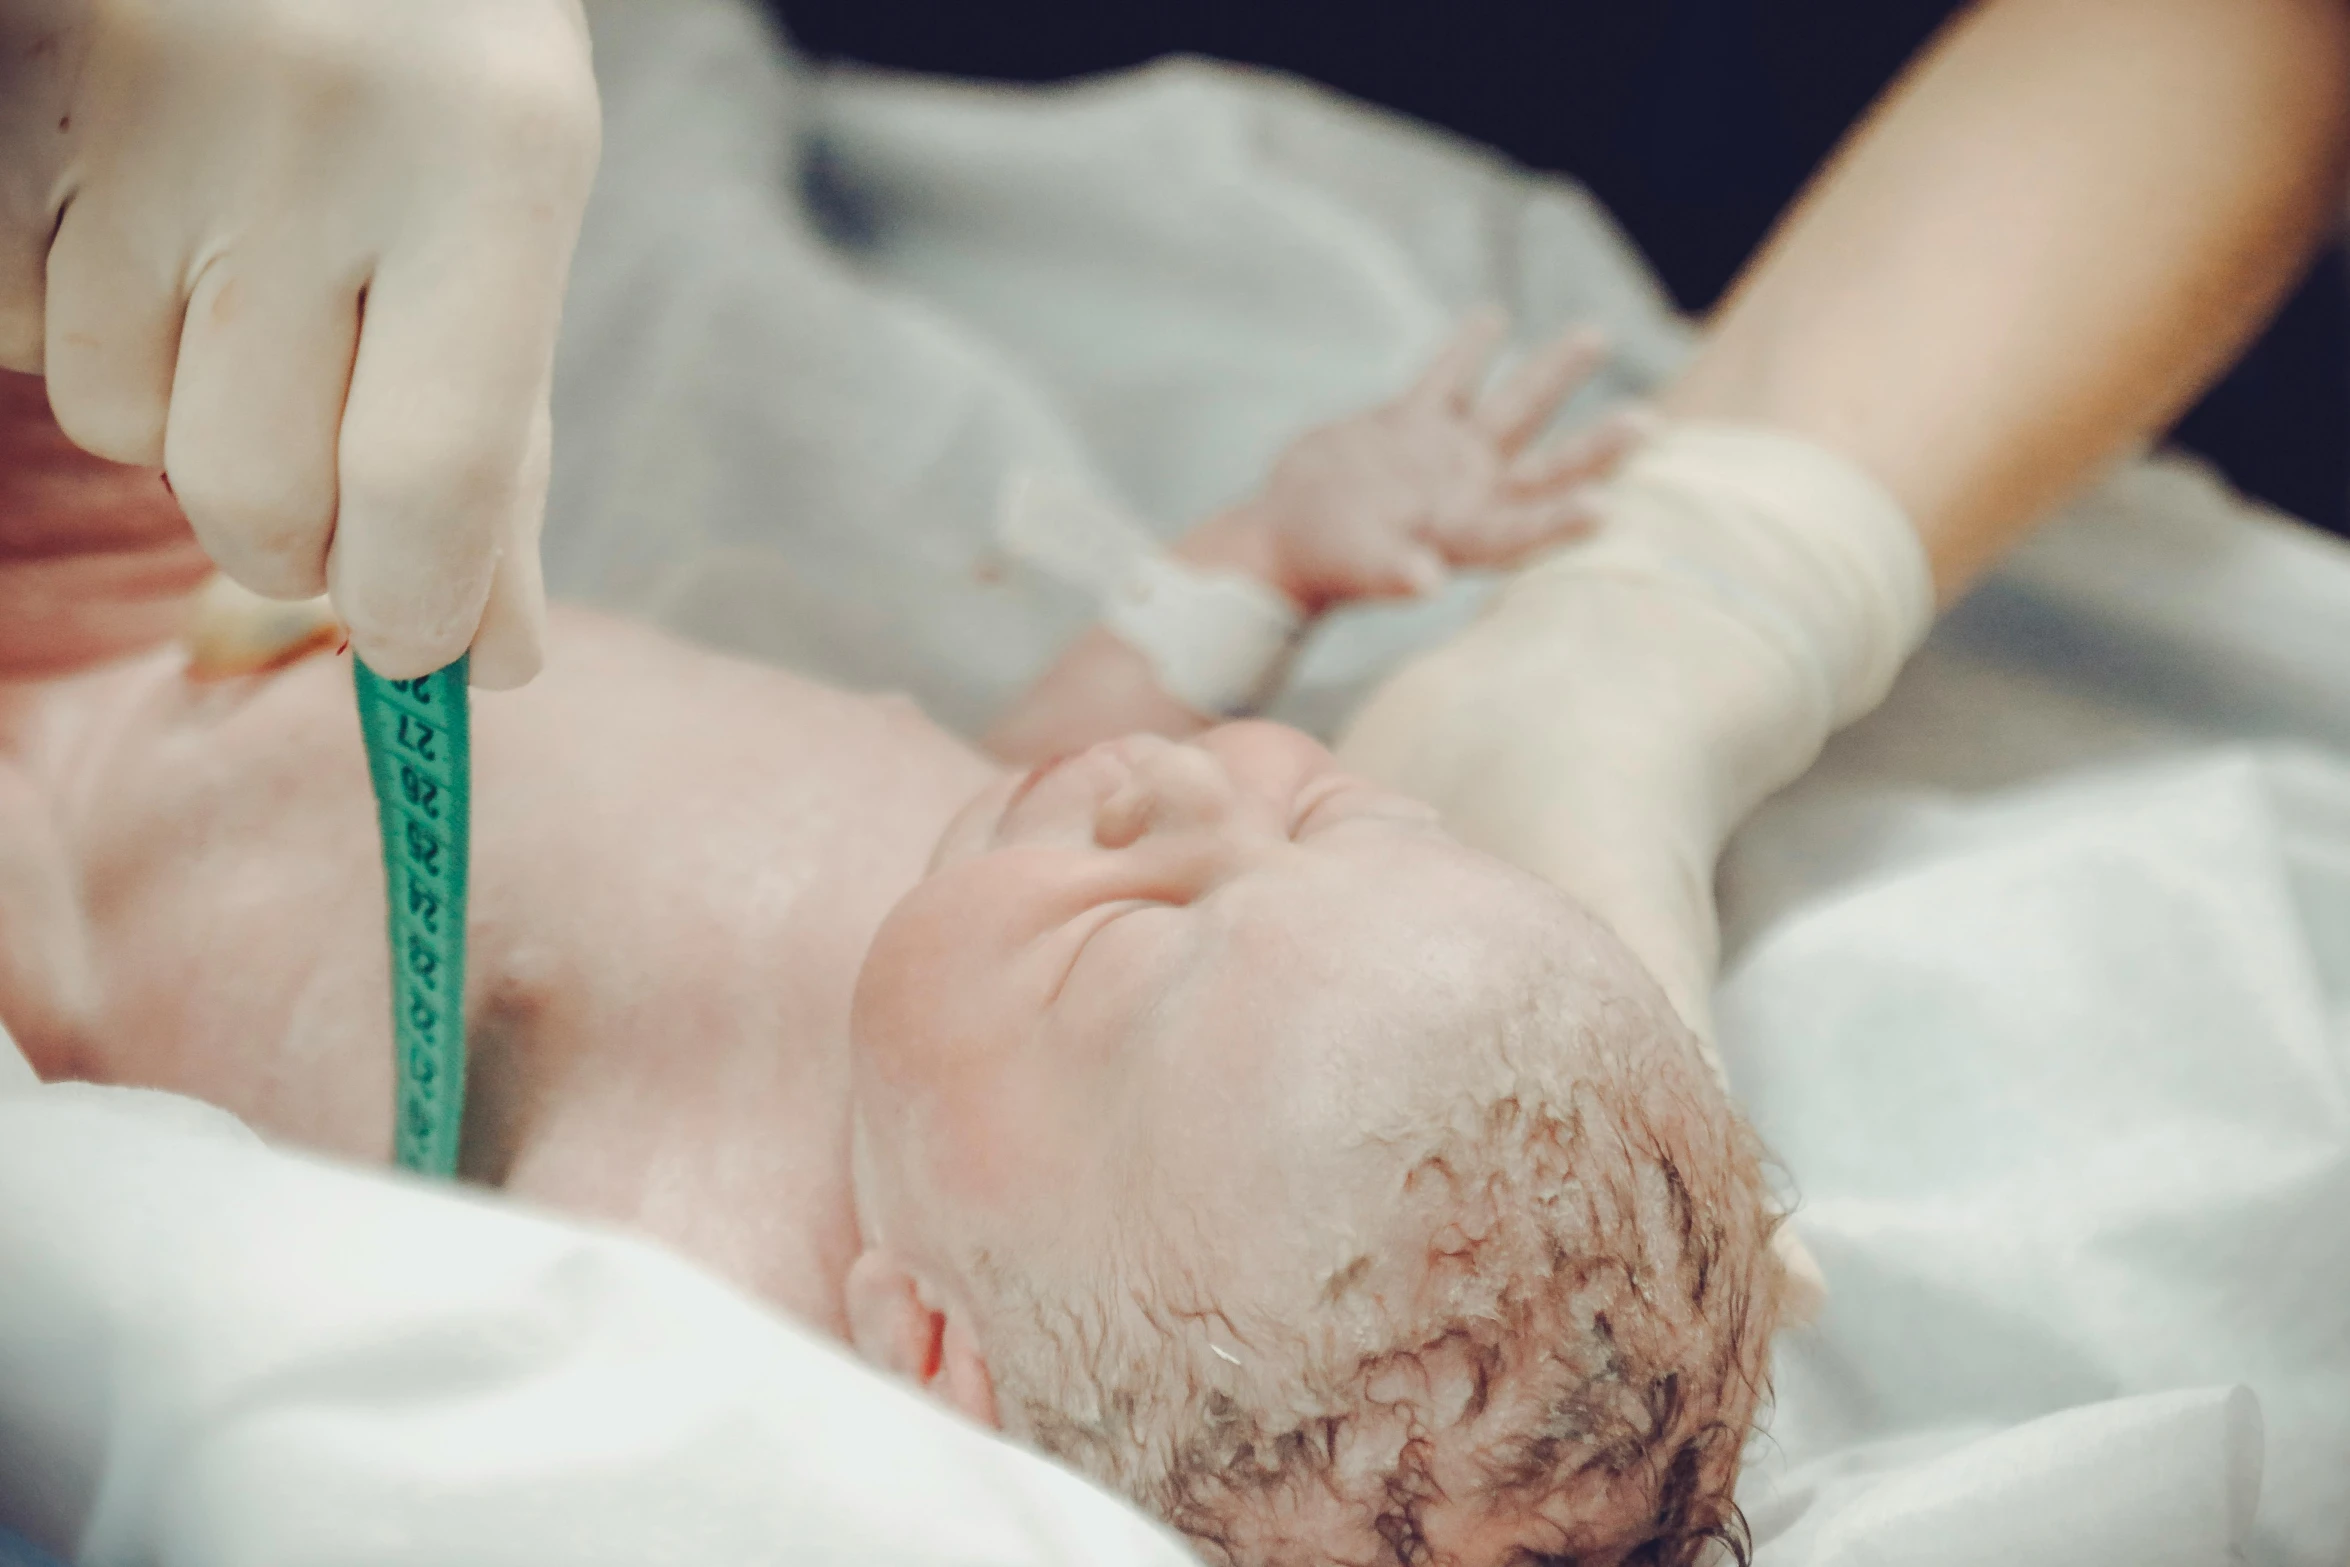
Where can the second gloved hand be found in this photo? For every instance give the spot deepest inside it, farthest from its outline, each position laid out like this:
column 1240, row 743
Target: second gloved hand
column 309, row 260
column 1625, row 703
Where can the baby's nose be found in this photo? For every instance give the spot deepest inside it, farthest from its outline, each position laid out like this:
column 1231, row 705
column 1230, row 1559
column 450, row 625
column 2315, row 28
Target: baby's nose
column 1169, row 787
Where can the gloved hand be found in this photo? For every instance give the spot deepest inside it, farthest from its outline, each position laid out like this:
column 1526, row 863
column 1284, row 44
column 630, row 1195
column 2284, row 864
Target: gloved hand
column 1387, row 503
column 1627, row 701
column 308, row 259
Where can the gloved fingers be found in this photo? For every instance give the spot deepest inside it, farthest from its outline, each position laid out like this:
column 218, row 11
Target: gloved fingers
column 1516, row 410
column 1450, row 384
column 112, row 333
column 511, row 645
column 1583, row 457
column 265, row 356
column 436, row 448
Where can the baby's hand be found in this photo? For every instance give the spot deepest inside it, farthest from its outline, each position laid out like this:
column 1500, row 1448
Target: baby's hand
column 1386, row 504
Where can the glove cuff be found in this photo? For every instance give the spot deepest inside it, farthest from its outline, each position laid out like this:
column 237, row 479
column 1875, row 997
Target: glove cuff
column 1809, row 563
column 1812, row 553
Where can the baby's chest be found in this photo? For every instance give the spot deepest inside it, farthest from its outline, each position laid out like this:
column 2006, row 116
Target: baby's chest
column 256, row 981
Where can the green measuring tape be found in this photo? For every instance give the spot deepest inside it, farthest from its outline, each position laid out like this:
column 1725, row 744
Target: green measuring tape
column 419, row 744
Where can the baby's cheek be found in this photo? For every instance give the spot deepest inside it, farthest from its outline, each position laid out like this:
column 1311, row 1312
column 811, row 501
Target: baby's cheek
column 886, row 1011
column 931, row 996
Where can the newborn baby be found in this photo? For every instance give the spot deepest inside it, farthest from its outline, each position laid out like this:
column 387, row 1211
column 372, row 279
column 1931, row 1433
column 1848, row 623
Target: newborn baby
column 1187, row 1108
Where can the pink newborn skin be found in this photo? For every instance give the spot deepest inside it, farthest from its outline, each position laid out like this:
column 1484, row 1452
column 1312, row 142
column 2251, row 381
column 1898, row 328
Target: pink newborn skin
column 679, row 863
column 96, row 560
column 1200, row 1114
column 932, row 1054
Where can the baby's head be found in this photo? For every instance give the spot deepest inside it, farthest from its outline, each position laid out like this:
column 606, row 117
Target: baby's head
column 1339, row 1193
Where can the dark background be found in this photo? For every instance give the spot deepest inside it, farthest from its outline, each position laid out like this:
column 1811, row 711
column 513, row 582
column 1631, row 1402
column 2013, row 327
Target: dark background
column 1694, row 120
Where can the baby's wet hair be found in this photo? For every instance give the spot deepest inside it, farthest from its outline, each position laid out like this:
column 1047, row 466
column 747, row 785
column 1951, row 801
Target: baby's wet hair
column 1571, row 1384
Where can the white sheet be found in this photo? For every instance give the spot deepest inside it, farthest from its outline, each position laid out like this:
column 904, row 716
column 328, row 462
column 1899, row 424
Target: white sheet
column 2040, row 985
column 217, row 1355
column 781, row 441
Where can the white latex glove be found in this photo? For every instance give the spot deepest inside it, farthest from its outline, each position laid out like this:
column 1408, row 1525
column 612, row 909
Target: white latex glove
column 1626, row 702
column 309, row 259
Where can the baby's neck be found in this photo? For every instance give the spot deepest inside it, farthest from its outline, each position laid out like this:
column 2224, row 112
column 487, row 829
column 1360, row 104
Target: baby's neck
column 691, row 1075
column 679, row 861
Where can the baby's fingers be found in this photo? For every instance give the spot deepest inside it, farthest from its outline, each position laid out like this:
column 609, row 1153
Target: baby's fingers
column 1506, row 534
column 1513, row 412
column 1581, row 458
column 1450, row 384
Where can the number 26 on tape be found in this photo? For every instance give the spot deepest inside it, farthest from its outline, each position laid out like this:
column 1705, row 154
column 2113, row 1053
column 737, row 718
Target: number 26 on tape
column 423, row 963
column 425, row 906
column 424, row 850
column 421, row 792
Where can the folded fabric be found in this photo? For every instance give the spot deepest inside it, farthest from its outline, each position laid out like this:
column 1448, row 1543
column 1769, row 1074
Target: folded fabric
column 217, row 1354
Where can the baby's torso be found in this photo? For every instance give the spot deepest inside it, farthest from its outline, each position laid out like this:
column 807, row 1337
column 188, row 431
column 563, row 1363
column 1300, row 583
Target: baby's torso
column 679, row 861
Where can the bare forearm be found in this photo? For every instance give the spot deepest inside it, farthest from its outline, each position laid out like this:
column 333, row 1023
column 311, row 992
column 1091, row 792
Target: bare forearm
column 1452, row 475
column 2066, row 221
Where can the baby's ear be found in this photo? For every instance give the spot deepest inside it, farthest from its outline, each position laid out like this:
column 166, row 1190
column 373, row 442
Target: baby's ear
column 893, row 1327
column 963, row 1378
column 887, row 1320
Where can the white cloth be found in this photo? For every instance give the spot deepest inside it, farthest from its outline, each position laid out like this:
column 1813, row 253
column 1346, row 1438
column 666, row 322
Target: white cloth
column 2040, row 986
column 16, row 1073
column 815, row 321
column 1216, row 641
column 213, row 1354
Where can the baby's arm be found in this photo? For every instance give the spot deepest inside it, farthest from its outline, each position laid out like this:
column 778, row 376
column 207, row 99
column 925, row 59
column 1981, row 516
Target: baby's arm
column 1381, row 505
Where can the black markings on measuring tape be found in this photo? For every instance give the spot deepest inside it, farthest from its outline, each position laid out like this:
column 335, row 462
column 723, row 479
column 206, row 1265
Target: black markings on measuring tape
column 424, row 850
column 420, row 792
column 418, row 736
column 417, row 749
